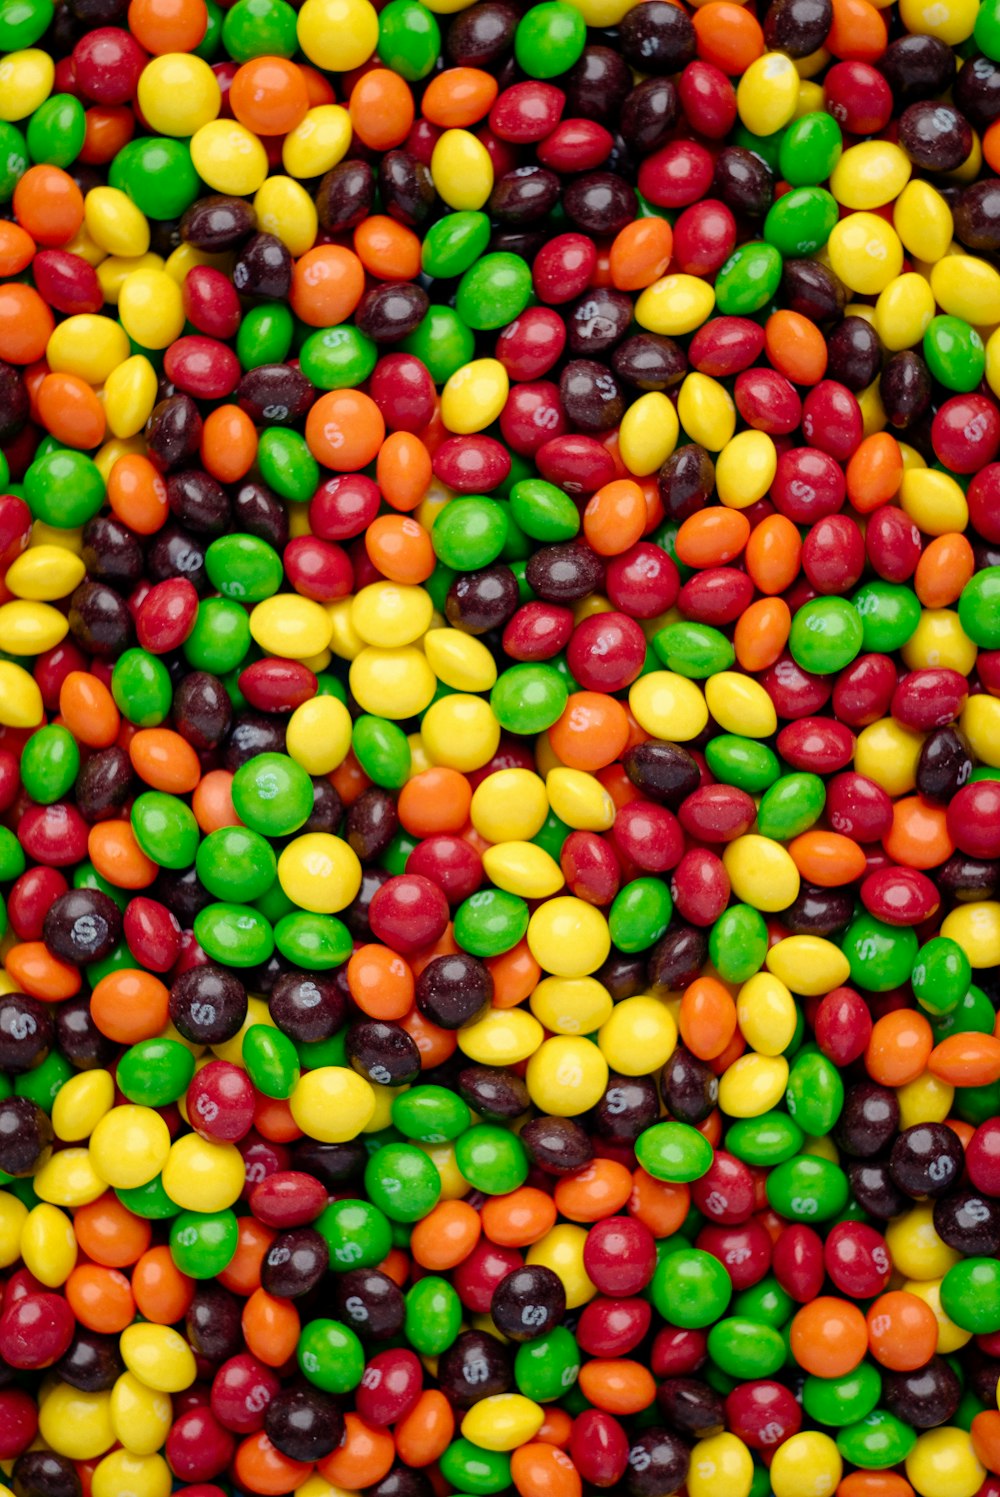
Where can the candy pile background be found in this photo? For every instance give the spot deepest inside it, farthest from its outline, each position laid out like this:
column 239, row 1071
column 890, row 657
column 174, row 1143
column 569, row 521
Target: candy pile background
column 499, row 748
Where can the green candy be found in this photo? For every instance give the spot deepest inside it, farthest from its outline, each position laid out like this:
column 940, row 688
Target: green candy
column 810, row 149
column 383, row 751
column 790, row 806
column 234, row 935
column 57, row 128
column 970, row 1295
column 141, row 687
column 548, row 1367
column 954, row 352
column 746, row 1349
column 640, row 914
column 469, row 532
column 237, row 864
column 826, row 635
column 765, row 1302
column 529, row 697
column 430, row 1114
column 878, row 1441
column 493, row 291
column 50, row 763
column 807, row 1189
column 815, row 1092
column 889, row 613
column 149, row 1201
column 23, row 22
column 244, row 567
column 402, row 1182
column 492, row 1159
column 973, row 1014
column 265, row 337
column 202, row 1244
column 490, row 922
column 338, row 358
column 158, row 175
column 12, row 859
column 409, row 42
column 881, row 956
column 941, row 975
column 749, row 279
column 331, row 1356
column 13, row 159
column 259, row 28
column 839, row 1401
column 979, row 608
column 220, row 637
column 44, row 1083
column 271, row 1060
column 272, row 794
column 286, row 463
column 799, row 223
column 765, row 1141
column 442, row 342
column 543, row 511
column 675, row 1152
column 317, row 941
column 737, row 942
column 690, row 1288
column 64, row 488
column 165, row 828
column 471, row 1469
column 154, row 1073
column 694, row 650
column 549, row 39
column 455, row 243
column 356, row 1232
column 433, row 1316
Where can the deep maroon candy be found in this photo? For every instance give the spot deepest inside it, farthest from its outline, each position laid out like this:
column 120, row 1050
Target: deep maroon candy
column 917, row 67
column 657, row 38
column 391, row 310
column 111, row 553
column 382, row 1052
column 91, row 1362
column 678, row 957
column 925, row 1398
column 686, row 480
column 372, row 823
column 811, row 290
column 202, row 710
column 173, row 432
column 557, row 1145
column 274, row 395
column 406, row 188
column 601, row 203
column 42, row 1473
column 25, row 1134
column 25, row 1032
column 689, row 1086
column 944, row 765
column 453, row 990
column 868, row 1121
column 649, row 361
column 563, row 573
column 598, row 320
column 218, row 223
column 590, row 393
column 307, row 1007
column 498, row 1096
column 935, row 135
column 926, row 1160
column 207, row 1005
column 82, row 925
column 304, row 1423
column 797, row 27
column 658, row 1464
column 104, row 785
column 481, row 35
column 100, row 621
column 690, row 1407
column 528, row 1303
column 664, row 772
column 629, row 1105
column 295, row 1262
column 213, row 1325
column 854, row 352
column 969, row 1222
column 524, row 195
column 263, row 268
column 649, row 115
column 370, row 1303
column 743, row 181
column 345, row 196
column 905, row 388
column 484, row 600
column 597, row 83
column 977, row 93
column 475, row 1366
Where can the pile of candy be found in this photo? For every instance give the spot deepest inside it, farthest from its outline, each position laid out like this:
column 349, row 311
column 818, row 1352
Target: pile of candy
column 499, row 748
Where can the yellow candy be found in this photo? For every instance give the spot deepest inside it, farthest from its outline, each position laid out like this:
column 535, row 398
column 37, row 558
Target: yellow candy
column 976, row 928
column 113, row 220
column 980, row 722
column 926, row 1100
column 129, row 1146
column 870, row 174
column 129, row 396
column 228, row 156
column 522, row 868
column 503, row 1421
column 675, row 304
column 20, row 698
column 566, row 1076
column 45, row 573
column 887, row 753
column 767, row 94
column 510, row 805
column 390, row 614
column 968, row 288
column 950, row 20
column 461, row 732
column 474, row 395
column 601, row 13
column 639, row 1036
column 462, row 172
column 917, row 1250
column 30, row 628
column 151, row 308
column 503, row 1037
column 571, row 1005
column 706, row 411
column 807, row 1465
column 338, row 34
column 319, row 735
column 122, row 1474
column 318, row 142
column 562, row 1251
column 140, row 1416
column 26, row 80
column 761, row 872
column 159, row 1356
column 903, row 313
column 745, row 468
column 178, row 94
column 291, row 626
column 113, row 272
column 69, row 1178
column 578, row 799
column 923, row 221
column 934, row 501
column 89, row 346
column 873, row 416
column 753, row 1085
column 865, row 253
column 345, row 642
column 721, row 1466
column 808, row 965
column 393, row 683
column 943, row 1463
column 453, row 1183
column 940, row 640
column 951, row 1338
column 13, row 1215
column 319, row 872
column 203, row 1176
column 185, row 257
column 460, row 660
column 80, row 1104
column 75, row 1423
column 332, row 1104
column 568, row 937
column 740, row 704
column 648, row 433
column 766, row 1014
column 285, row 209
column 668, row 706
column 48, row 1245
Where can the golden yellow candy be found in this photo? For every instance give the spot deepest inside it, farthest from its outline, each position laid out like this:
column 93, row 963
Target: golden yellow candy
column 393, row 683
column 285, row 209
column 150, row 308
column 943, row 1463
column 503, row 1421
column 668, row 706
column 740, row 704
column 113, row 220
column 462, row 172
column 290, row 626
column 319, row 735
column 925, row 1100
column 721, row 1466
column 228, row 156
column 475, row 394
column 904, row 311
column 460, row 660
column 917, row 1250
column 807, row 1465
column 923, row 221
column 503, row 1037
column 976, row 928
column 967, row 287
column 934, row 501
column 509, row 805
column 766, row 1014
column 808, row 965
column 140, row 1416
column 332, row 1104
column 768, row 93
column 980, row 722
column 75, row 1423
column 648, row 433
column 745, row 468
column 26, row 80
column 753, row 1085
column 706, row 411
column 460, row 731
column 129, row 396
column 338, row 34
column 13, row 1215
column 762, row 873
column 675, row 304
column 30, row 628
column 887, row 753
column 568, row 937
column 865, row 253
column 122, row 1474
column 870, row 174
column 87, row 345
column 566, row 1076
column 44, row 574
column 178, row 94
column 318, row 142
column 952, row 22
column 524, row 869
column 579, row 799
column 639, row 1036
column 20, row 698
column 571, row 1005
column 68, row 1178
column 940, row 640
column 390, row 614
column 319, row 872
column 203, row 1176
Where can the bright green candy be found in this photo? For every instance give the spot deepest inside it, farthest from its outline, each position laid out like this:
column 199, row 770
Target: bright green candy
column 141, row 687
column 469, row 1468
column 881, row 956
column 271, row 1060
column 212, row 40
column 746, row 1348
column 799, row 223
column 244, row 567
column 543, row 511
column 765, row 1302
column 220, row 637
column 737, row 943
column 50, row 763
column 790, row 806
column 433, row 1316
column 889, row 612
column 549, row 39
column 331, row 1356
column 234, row 935
column 749, row 279
column 986, row 32
column 815, row 1092
column 165, row 828
column 529, row 697
column 157, row 174
column 259, row 28
column 430, row 1114
column 469, row 532
column 86, row 876
column 383, row 751
column 397, row 854
column 551, row 835
column 455, row 242
column 403, row 1182
column 13, row 159
column 977, row 1104
column 493, row 291
column 12, row 859
column 826, row 635
column 409, row 42
column 44, row 1083
column 237, row 864
column 287, row 464
column 149, row 1201
column 880, row 1440
column 954, row 352
column 690, row 1288
column 116, row 961
column 337, row 358
column 694, row 650
column 490, row 922
column 765, row 1141
column 838, row 1401
column 22, row 22
column 272, row 794
column 544, row 1369
column 492, row 1159
column 941, row 975
column 970, row 1295
column 807, row 1189
column 265, row 337
column 56, row 130
column 810, row 149
column 356, row 1232
column 154, row 1073
column 675, row 1152
column 978, row 608
column 64, row 488
column 640, row 914
column 202, row 1244
column 316, row 941
column 743, row 762
column 973, row 1014
column 442, row 341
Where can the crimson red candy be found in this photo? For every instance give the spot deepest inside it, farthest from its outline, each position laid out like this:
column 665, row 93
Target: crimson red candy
column 392, row 1383
column 708, row 98
column 241, row 1391
column 563, row 268
column 67, row 282
column 892, row 543
column 35, row 1330
column 857, row 807
column 55, row 835
column 606, row 652
column 402, row 388
column 288, row 1198
column 107, row 64
column 528, row 347
column 763, row 1414
column 965, row 433
column 974, row 819
column 152, row 933
column 700, row 886
column 726, row 1192
column 833, row 554
column 599, row 1448
column 18, row 1422
column 590, row 867
column 537, row 631
column 725, row 346
column 649, row 835
column 643, row 581
column 527, row 112
column 318, row 569
column 198, row 1447
column 857, row 1260
column 51, row 670
column 166, row 615
column 983, row 498
column 15, row 528
column 864, row 690
column 576, row 145
column 767, row 401
column 982, row 1157
column 533, row 413
column 474, row 465
column 718, row 813
column 676, row 1351
column 858, row 97
column 202, row 366
column 797, row 1262
column 613, row 1327
column 30, row 899
column 930, row 698
column 808, row 485
column 575, row 462
column 746, row 1250
column 620, row 1255
column 221, row 1101
column 478, row 1275
column 273, row 685
column 679, row 174
column 450, row 862
column 716, row 595
column 816, row 744
column 795, row 693
column 211, row 302
column 704, row 238
column 842, row 1026
column 831, row 419
column 345, row 506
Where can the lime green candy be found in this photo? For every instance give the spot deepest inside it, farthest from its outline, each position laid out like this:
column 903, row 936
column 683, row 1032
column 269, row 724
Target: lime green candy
column 165, row 828
column 675, row 1152
column 234, row 935
column 236, row 863
column 694, row 650
column 493, row 291
column 50, row 762
column 749, row 279
column 154, row 1073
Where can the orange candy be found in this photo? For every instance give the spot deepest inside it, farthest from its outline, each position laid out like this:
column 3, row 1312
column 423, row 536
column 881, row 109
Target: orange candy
column 658, row 1204
column 403, row 470
column 712, row 537
column 946, row 564
column 918, row 837
column 874, row 472
column 165, row 760
column 640, row 253
column 966, row 1060
column 761, row 633
column 25, row 324
column 617, row 1386
column 271, row 1328
column 118, row 857
column 435, row 800
column 795, row 347
column 327, row 283
column 400, row 548
column 598, row 1190
column 520, row 1218
column 615, row 517
column 827, row 858
column 380, row 982
column 101, row 1298
column 17, row 249
column 458, row 98
column 88, row 709
column 168, row 25
column 772, row 553
column 899, row 1047
column 707, row 1020
column 902, row 1331
column 137, row 494
column 592, row 731
column 268, row 95
column 109, row 1233
column 728, row 35
column 363, row 1457
column 387, row 249
column 445, row 1236
column 130, row 1005
column 829, row 1337
column 49, row 205
column 228, row 443
column 424, row 1434
column 540, row 1469
column 36, row 971
column 162, row 1293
